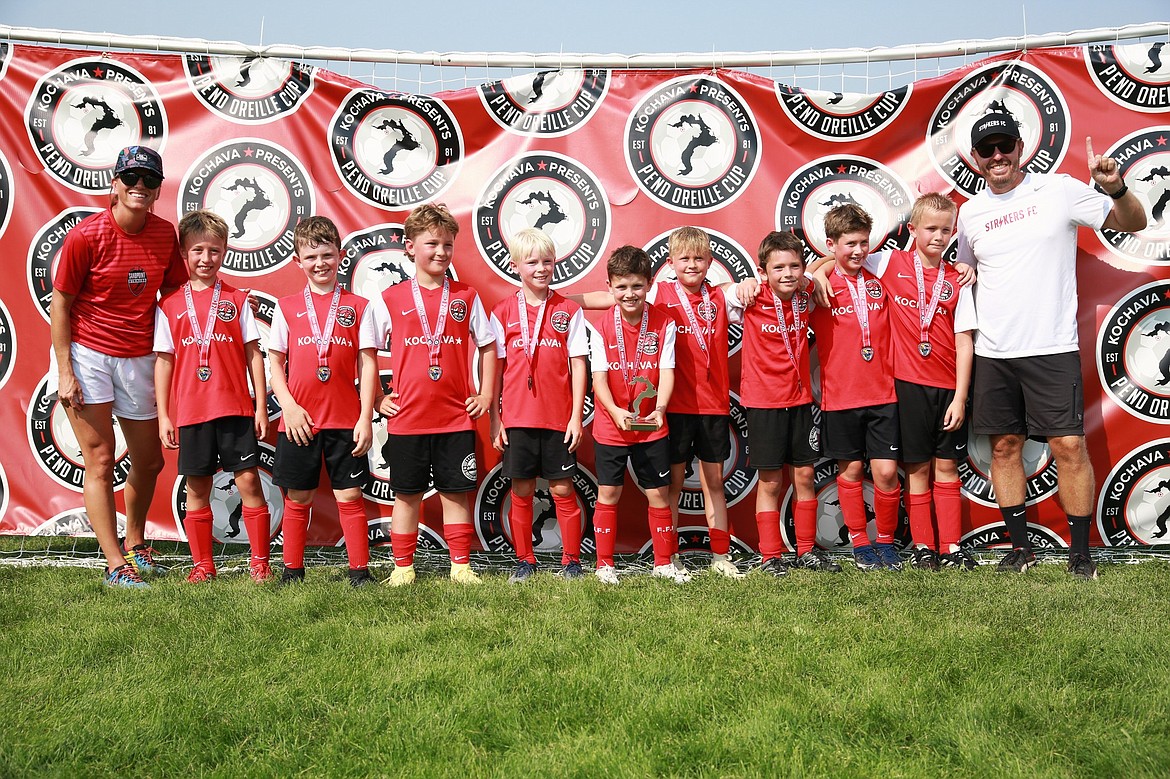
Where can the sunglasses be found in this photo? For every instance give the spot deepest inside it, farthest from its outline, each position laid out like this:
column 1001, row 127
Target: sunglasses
column 988, row 149
column 132, row 177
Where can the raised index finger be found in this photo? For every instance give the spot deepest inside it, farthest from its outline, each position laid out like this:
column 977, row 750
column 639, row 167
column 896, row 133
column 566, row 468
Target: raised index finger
column 1089, row 148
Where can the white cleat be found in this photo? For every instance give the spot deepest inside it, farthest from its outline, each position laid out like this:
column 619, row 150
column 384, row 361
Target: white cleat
column 722, row 565
column 607, row 574
column 668, row 571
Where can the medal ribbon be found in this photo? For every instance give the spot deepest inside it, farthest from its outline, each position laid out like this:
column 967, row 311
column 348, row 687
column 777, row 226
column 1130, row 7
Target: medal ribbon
column 530, row 346
column 433, row 340
column 621, row 345
column 692, row 319
column 857, row 295
column 784, row 334
column 926, row 312
column 321, row 337
column 203, row 337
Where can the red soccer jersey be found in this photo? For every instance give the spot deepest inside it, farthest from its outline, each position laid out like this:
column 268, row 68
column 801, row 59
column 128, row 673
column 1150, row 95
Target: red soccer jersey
column 768, row 378
column 937, row 368
column 548, row 403
column 701, row 385
column 116, row 277
column 334, row 404
column 848, row 380
column 427, row 405
column 657, row 353
column 226, row 391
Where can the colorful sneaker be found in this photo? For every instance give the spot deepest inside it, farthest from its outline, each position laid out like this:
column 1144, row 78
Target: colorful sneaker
column 461, row 573
column 891, row 560
column 401, row 576
column 722, row 565
column 360, row 577
column 961, row 559
column 142, row 558
column 260, row 571
column 1082, row 566
column 924, row 559
column 200, row 574
column 124, row 576
column 816, row 559
column 1017, row 561
column 669, row 571
column 524, row 571
column 866, row 558
column 607, row 574
column 774, row 566
column 292, row 575
column 572, row 571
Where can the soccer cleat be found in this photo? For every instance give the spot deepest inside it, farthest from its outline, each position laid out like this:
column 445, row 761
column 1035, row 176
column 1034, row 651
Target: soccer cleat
column 722, row 565
column 260, row 571
column 572, row 571
column 607, row 574
column 816, row 559
column 891, row 560
column 961, row 559
column 200, row 574
column 924, row 559
column 461, row 573
column 774, row 566
column 1082, row 566
column 668, row 571
column 1017, row 561
column 401, row 576
column 524, row 571
column 360, row 577
column 866, row 558
column 142, row 558
column 124, row 576
column 292, row 575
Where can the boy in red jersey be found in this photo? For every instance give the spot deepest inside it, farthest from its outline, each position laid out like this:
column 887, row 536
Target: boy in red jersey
column 776, row 387
column 208, row 356
column 432, row 322
column 538, row 335
column 932, row 316
column 632, row 352
column 857, row 388
column 326, row 339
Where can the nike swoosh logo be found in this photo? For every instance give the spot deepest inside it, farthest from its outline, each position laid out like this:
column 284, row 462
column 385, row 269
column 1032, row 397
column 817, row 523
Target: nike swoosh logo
column 301, row 314
column 664, row 473
column 905, row 276
column 247, row 456
column 408, row 312
column 513, row 324
column 673, row 305
column 961, row 446
column 893, row 448
column 567, row 467
column 355, row 475
column 613, row 346
column 766, row 308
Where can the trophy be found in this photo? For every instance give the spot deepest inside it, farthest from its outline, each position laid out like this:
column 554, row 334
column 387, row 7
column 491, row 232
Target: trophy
column 640, row 423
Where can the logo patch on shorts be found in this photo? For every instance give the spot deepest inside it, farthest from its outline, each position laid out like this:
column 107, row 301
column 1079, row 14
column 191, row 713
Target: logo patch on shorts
column 55, row 447
column 251, row 89
column 1134, row 506
column 227, row 507
column 975, row 471
column 1133, row 353
column 493, row 507
column 549, row 103
column 1135, row 76
column 468, row 467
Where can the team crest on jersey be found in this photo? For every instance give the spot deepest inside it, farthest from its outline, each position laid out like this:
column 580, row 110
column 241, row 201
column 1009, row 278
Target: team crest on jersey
column 549, row 103
column 251, row 89
column 377, row 487
column 226, row 311
column 1134, row 506
column 1133, row 353
column 975, row 471
column 560, row 321
column 650, row 343
column 1135, row 75
column 261, row 190
column 86, row 111
column 227, row 507
column 832, row 534
column 730, row 262
column 458, row 309
column 1143, row 159
column 738, row 477
column 552, row 193
column 265, row 310
column 7, row 345
column 136, row 279
column 706, row 311
column 55, row 447
column 692, row 144
column 995, row 536
column 824, row 184
column 43, row 252
column 395, row 150
column 873, row 288
column 841, row 116
column 75, row 522
column 493, row 506
column 1015, row 88
column 346, row 316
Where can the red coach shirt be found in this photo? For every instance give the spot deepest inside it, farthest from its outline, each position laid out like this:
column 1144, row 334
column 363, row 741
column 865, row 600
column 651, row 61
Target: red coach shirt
column 768, row 377
column 701, row 385
column 657, row 353
column 847, row 379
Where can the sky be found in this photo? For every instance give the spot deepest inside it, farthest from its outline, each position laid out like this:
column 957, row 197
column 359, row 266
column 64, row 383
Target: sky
column 602, row 26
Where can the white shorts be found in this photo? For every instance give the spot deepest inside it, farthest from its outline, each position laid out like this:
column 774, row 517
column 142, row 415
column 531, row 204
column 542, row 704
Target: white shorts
column 128, row 381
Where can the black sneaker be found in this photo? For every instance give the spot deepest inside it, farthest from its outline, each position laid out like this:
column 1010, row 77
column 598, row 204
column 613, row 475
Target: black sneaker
column 962, row 559
column 774, row 566
column 924, row 559
column 292, row 575
column 524, row 571
column 1082, row 566
column 891, row 560
column 572, row 571
column 815, row 559
column 358, row 577
column 1017, row 561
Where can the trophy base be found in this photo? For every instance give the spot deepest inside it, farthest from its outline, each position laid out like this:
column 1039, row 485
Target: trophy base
column 643, row 425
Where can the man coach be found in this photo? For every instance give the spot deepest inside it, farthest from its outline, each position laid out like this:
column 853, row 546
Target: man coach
column 1020, row 233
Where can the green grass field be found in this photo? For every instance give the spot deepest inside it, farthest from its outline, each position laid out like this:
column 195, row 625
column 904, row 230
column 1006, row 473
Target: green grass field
column 910, row 674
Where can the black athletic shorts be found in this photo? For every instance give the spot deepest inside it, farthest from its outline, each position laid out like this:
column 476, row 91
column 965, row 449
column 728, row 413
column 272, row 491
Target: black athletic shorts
column 535, row 451
column 227, row 442
column 1039, row 397
column 782, row 436
column 866, row 433
column 650, row 460
column 920, row 413
column 699, row 435
column 299, row 467
column 446, row 460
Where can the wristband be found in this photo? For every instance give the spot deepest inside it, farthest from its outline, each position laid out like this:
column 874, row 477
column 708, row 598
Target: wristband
column 1119, row 194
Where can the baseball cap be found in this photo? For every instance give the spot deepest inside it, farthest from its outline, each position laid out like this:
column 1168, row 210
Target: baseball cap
column 995, row 123
column 140, row 158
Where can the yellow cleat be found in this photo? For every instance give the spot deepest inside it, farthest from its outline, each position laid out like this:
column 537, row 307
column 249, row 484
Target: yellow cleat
column 401, row 576
column 461, row 573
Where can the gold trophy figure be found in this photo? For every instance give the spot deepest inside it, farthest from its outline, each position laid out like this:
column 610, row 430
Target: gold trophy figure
column 637, row 422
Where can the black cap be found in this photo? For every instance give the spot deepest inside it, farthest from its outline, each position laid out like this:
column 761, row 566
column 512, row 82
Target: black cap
column 138, row 158
column 995, row 123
